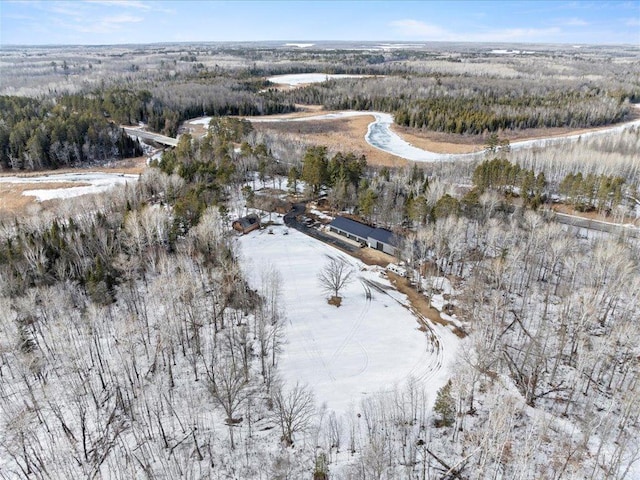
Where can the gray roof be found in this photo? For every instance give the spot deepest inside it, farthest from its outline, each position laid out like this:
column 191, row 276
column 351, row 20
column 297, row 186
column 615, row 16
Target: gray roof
column 363, row 231
column 351, row 226
column 249, row 220
column 384, row 236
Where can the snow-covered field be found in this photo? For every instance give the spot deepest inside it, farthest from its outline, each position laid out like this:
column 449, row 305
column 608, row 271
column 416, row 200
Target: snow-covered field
column 369, row 344
column 299, row 45
column 98, row 182
column 304, row 78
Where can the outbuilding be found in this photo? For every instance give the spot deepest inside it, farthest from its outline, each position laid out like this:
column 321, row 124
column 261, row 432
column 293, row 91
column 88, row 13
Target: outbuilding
column 246, row 224
column 378, row 238
column 351, row 229
column 383, row 240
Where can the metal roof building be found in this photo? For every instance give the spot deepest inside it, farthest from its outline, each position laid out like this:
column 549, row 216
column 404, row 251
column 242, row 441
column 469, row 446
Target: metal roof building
column 377, row 238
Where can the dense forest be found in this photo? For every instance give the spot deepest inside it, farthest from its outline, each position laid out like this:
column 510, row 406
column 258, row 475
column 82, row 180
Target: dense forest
column 41, row 134
column 471, row 105
column 81, row 128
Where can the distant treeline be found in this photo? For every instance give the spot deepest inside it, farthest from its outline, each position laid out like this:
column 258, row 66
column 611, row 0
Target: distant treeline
column 474, row 115
column 470, row 105
column 164, row 108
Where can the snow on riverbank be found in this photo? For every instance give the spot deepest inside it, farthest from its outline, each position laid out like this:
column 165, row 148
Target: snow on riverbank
column 369, row 344
column 98, row 182
column 380, row 135
column 322, row 116
column 200, row 121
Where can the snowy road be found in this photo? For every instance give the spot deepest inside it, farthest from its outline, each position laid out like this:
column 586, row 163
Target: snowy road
column 369, row 344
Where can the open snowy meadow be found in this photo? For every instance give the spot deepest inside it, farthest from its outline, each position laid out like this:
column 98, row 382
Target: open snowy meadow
column 87, row 183
column 297, row 79
column 369, row 344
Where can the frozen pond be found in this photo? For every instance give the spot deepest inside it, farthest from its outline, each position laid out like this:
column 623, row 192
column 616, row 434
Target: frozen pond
column 97, row 182
column 297, row 79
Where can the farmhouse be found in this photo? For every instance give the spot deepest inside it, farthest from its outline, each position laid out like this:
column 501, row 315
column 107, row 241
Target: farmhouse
column 377, row 238
column 246, row 224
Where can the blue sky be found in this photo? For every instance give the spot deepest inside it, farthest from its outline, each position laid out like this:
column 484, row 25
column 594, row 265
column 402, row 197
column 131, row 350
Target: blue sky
column 144, row 21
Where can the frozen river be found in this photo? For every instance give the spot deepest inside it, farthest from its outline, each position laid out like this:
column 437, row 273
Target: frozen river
column 381, row 136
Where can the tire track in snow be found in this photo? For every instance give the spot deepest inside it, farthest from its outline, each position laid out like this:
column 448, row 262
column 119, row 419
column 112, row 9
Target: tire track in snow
column 436, row 347
column 356, row 326
column 312, row 351
column 429, row 364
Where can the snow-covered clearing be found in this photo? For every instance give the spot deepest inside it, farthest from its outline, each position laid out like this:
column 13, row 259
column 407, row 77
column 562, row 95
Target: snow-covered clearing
column 99, row 182
column 369, row 344
column 200, row 121
column 304, row 78
column 299, row 45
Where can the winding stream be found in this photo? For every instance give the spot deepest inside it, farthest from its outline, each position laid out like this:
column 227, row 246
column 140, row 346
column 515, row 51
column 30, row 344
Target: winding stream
column 380, row 135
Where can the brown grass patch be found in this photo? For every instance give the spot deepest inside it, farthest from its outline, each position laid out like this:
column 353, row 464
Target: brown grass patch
column 128, row 166
column 12, row 200
column 421, row 304
column 438, row 142
column 195, row 130
column 371, row 256
column 343, row 134
column 337, row 301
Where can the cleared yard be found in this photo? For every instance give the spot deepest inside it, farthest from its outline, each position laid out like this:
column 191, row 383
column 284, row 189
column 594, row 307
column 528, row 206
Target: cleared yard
column 369, row 344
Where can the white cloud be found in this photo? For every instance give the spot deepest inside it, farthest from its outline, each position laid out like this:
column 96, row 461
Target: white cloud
column 95, row 16
column 416, row 28
column 517, row 35
column 131, row 4
column 107, row 24
column 121, row 4
column 424, row 31
column 575, row 22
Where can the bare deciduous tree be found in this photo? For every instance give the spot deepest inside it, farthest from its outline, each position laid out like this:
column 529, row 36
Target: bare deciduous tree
column 335, row 275
column 293, row 410
column 229, row 388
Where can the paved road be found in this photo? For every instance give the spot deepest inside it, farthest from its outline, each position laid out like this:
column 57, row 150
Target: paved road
column 156, row 137
column 595, row 225
column 292, row 220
